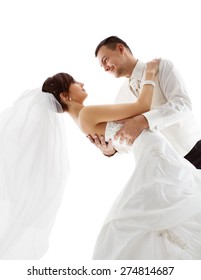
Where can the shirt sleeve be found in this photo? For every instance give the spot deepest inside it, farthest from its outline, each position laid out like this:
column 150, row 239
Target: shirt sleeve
column 178, row 105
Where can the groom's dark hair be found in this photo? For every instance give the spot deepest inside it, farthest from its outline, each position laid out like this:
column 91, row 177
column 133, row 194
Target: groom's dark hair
column 111, row 43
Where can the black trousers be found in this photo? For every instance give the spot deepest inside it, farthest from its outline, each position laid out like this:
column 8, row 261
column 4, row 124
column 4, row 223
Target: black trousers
column 194, row 156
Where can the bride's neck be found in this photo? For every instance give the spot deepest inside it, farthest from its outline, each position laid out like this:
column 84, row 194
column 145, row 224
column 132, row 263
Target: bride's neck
column 74, row 111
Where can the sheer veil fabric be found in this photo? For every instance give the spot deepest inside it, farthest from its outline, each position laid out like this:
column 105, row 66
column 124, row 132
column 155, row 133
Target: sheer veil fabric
column 33, row 171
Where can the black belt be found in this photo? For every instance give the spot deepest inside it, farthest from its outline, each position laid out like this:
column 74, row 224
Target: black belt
column 194, row 156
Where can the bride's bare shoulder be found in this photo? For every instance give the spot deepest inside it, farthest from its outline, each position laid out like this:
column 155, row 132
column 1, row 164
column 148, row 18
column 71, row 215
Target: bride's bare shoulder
column 89, row 121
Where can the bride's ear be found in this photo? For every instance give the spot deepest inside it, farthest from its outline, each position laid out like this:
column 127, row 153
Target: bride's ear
column 64, row 97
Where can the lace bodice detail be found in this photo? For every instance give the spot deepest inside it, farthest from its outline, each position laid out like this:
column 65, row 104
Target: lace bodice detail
column 111, row 129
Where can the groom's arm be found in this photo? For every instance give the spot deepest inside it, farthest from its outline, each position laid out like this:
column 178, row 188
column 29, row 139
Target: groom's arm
column 177, row 107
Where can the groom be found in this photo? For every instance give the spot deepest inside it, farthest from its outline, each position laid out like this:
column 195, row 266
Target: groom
column 171, row 112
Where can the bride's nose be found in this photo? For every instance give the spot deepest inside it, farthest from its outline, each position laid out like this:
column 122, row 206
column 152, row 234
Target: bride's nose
column 81, row 85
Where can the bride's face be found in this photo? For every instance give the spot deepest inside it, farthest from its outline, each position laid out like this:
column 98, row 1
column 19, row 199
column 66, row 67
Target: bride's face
column 77, row 92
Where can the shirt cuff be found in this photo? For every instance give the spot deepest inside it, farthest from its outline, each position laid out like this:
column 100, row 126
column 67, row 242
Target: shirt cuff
column 155, row 120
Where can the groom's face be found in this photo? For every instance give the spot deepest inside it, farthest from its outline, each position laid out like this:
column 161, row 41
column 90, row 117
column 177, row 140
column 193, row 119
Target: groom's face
column 112, row 60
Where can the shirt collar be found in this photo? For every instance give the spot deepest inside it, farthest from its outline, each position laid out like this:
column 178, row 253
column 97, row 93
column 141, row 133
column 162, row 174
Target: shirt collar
column 138, row 71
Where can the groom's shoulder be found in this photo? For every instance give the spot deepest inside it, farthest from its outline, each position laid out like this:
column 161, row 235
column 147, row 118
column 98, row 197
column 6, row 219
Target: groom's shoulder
column 166, row 62
column 166, row 66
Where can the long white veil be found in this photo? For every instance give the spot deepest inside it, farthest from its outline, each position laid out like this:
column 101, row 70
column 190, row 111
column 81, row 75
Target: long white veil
column 33, row 171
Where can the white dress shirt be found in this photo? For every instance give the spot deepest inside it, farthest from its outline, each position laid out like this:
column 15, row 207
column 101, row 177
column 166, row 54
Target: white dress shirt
column 171, row 112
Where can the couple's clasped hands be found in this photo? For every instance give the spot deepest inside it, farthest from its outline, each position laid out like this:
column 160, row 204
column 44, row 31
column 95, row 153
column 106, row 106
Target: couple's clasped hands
column 132, row 127
column 130, row 130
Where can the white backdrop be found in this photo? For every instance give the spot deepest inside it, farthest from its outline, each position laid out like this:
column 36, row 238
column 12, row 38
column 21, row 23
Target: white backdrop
column 42, row 37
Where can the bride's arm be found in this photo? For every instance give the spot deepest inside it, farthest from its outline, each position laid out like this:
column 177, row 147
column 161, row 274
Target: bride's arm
column 91, row 116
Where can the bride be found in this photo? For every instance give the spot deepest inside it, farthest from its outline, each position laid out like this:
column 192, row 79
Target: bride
column 156, row 216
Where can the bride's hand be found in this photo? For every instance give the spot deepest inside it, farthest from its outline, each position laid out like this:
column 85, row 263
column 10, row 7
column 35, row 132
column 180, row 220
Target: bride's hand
column 152, row 68
column 105, row 147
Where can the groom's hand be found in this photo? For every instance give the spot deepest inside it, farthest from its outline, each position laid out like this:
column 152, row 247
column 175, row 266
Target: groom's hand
column 131, row 129
column 105, row 147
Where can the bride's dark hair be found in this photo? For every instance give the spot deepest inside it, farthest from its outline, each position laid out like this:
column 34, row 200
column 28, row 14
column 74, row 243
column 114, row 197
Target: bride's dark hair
column 57, row 84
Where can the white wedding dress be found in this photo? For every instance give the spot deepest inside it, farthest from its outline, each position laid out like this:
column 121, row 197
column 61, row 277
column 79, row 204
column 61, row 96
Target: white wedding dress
column 157, row 215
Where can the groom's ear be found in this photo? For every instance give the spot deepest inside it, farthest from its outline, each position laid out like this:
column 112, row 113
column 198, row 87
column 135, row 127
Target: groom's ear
column 120, row 48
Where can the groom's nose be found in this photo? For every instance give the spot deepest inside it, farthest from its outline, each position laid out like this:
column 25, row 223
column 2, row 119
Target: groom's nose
column 107, row 68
